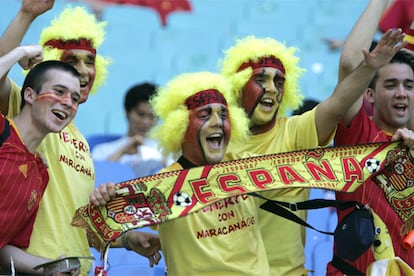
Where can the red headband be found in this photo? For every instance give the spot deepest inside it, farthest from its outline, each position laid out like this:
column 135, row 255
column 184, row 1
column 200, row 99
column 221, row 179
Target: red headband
column 81, row 44
column 409, row 36
column 270, row 61
column 205, row 97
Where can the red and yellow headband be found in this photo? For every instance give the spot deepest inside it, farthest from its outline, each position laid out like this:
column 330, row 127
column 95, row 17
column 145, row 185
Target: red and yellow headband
column 81, row 44
column 205, row 97
column 270, row 61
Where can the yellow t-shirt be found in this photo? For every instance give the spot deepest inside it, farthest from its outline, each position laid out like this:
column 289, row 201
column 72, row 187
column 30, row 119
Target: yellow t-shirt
column 222, row 239
column 284, row 240
column 72, row 178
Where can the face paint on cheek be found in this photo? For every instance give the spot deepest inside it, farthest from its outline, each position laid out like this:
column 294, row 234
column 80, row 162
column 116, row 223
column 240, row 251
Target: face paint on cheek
column 192, row 139
column 279, row 86
column 251, row 94
column 86, row 90
column 84, row 96
column 48, row 96
column 226, row 131
column 52, row 97
column 199, row 151
column 92, row 76
column 279, row 97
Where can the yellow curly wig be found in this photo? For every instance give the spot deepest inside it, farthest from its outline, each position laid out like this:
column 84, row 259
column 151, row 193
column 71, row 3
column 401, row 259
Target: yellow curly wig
column 73, row 24
column 169, row 105
column 252, row 49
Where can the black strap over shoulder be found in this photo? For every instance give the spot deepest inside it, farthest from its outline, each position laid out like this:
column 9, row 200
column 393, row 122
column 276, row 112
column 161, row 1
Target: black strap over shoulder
column 286, row 210
column 344, row 267
column 282, row 208
column 6, row 132
column 283, row 212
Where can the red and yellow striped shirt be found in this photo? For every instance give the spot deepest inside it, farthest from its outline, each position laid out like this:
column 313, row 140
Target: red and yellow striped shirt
column 364, row 130
column 23, row 179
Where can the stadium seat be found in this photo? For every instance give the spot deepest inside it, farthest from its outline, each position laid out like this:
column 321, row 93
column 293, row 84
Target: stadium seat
column 112, row 171
column 319, row 247
column 93, row 140
column 182, row 51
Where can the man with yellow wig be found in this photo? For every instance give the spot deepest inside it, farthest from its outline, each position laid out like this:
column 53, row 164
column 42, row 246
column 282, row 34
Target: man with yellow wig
column 198, row 119
column 199, row 109
column 73, row 37
column 264, row 74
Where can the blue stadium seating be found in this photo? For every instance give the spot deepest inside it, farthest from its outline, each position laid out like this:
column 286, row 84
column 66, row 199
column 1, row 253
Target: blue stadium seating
column 319, row 247
column 95, row 139
column 142, row 49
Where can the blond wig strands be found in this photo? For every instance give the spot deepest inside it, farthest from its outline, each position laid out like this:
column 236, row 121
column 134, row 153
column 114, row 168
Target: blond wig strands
column 74, row 24
column 169, row 105
column 252, row 49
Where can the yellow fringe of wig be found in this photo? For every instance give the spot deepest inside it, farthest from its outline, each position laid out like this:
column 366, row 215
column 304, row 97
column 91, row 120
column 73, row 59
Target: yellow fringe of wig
column 169, row 105
column 251, row 48
column 72, row 24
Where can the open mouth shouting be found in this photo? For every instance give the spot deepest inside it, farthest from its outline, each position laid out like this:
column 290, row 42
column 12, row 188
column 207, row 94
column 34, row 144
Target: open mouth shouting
column 215, row 141
column 267, row 103
column 61, row 115
column 400, row 108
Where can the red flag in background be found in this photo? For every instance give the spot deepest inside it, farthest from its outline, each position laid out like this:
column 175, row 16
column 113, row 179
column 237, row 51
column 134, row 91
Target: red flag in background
column 162, row 7
column 399, row 14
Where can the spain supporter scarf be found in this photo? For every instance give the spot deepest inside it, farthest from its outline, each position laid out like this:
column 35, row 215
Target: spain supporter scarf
column 161, row 197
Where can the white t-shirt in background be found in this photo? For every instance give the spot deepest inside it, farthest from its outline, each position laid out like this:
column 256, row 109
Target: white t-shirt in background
column 148, row 160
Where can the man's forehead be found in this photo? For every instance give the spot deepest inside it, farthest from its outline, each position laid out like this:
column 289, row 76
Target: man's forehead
column 212, row 107
column 396, row 71
column 78, row 54
column 142, row 104
column 54, row 75
column 267, row 71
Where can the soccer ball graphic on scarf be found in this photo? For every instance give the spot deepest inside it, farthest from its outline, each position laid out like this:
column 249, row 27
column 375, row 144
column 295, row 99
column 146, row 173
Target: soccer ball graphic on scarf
column 182, row 199
column 372, row 165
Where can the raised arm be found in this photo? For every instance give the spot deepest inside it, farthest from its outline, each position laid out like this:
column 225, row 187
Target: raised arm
column 360, row 37
column 346, row 99
column 27, row 56
column 13, row 35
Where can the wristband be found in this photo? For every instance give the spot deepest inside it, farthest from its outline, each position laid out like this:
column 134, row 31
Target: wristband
column 124, row 241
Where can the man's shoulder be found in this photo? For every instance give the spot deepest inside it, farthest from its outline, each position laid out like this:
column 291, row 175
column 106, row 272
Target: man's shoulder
column 14, row 99
column 229, row 156
column 173, row 167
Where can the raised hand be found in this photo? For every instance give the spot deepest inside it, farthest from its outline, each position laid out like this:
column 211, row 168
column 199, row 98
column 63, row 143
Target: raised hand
column 35, row 8
column 32, row 54
column 389, row 44
column 145, row 244
column 103, row 194
column 133, row 143
column 406, row 136
column 131, row 147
